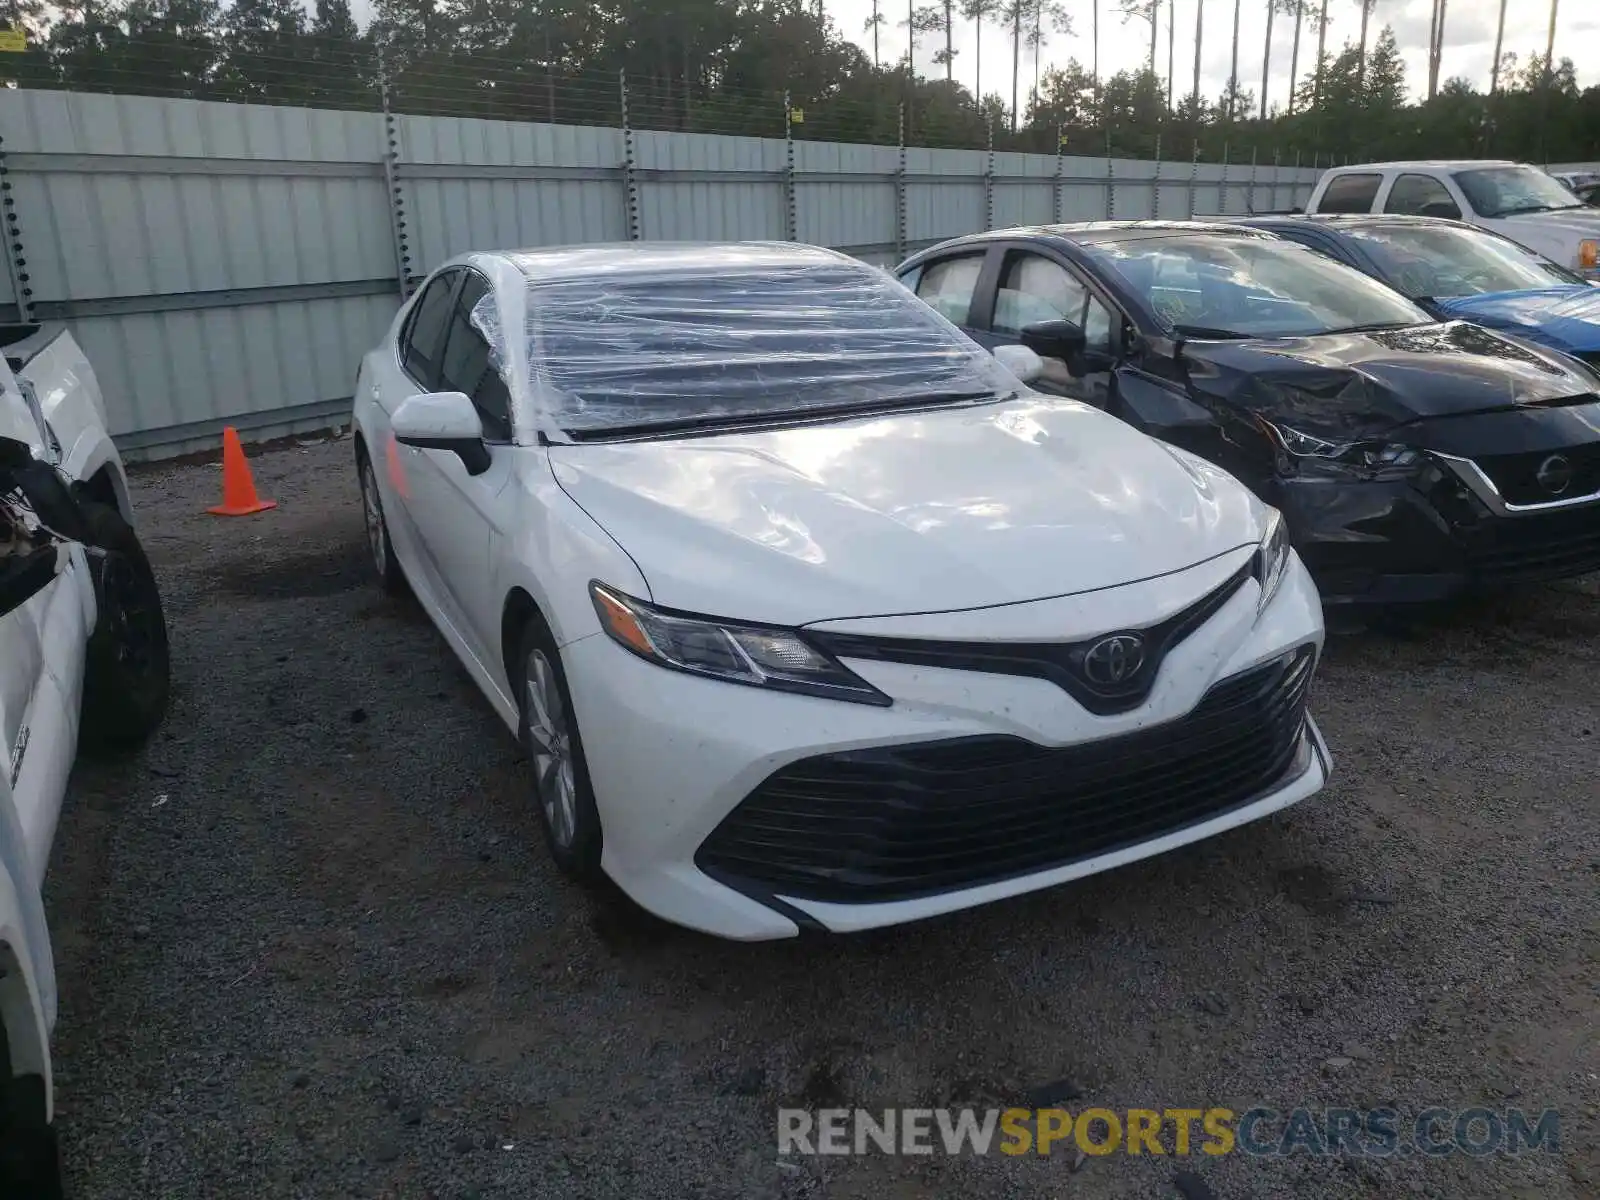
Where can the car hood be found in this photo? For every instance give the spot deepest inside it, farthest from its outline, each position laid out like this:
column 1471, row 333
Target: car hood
column 1580, row 222
column 1362, row 384
column 906, row 513
column 1566, row 317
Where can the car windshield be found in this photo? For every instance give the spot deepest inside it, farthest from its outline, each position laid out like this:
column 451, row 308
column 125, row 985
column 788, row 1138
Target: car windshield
column 1506, row 191
column 676, row 338
column 1226, row 285
column 1443, row 261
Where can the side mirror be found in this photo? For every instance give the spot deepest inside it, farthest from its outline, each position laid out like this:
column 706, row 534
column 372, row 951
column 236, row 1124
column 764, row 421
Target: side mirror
column 1020, row 361
column 1441, row 208
column 1055, row 339
column 443, row 421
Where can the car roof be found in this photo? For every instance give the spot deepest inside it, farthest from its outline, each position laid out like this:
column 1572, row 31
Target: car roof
column 1452, row 164
column 1091, row 232
column 1335, row 220
column 542, row 264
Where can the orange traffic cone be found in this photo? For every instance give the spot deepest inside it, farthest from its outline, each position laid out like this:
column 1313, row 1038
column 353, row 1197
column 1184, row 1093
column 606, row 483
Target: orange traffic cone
column 239, row 497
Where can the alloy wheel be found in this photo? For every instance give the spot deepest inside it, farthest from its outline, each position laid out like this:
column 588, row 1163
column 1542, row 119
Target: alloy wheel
column 373, row 511
column 550, row 746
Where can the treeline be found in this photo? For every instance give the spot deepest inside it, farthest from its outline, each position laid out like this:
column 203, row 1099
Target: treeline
column 731, row 66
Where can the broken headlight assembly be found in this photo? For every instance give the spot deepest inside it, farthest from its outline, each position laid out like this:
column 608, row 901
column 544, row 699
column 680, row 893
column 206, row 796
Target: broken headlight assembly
column 30, row 554
column 1364, row 459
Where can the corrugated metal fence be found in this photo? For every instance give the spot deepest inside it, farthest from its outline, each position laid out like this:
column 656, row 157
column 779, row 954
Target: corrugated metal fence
column 229, row 264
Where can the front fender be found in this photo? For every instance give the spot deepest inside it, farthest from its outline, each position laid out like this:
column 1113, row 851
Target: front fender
column 92, row 453
column 554, row 549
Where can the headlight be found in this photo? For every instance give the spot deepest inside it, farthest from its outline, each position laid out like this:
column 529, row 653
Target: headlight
column 1272, row 557
column 753, row 655
column 1370, row 459
column 1588, row 254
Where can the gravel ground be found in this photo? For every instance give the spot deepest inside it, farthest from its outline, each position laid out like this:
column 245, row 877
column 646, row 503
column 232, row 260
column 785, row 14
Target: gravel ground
column 310, row 944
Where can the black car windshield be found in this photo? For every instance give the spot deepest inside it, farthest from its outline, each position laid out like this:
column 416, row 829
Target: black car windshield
column 681, row 336
column 1506, row 191
column 1243, row 286
column 1446, row 261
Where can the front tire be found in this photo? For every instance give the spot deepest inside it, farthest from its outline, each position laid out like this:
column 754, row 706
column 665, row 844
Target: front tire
column 379, row 544
column 128, row 675
column 549, row 736
column 30, row 1161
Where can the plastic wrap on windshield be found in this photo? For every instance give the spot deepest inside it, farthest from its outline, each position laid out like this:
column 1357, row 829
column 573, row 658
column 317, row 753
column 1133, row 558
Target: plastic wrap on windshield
column 677, row 335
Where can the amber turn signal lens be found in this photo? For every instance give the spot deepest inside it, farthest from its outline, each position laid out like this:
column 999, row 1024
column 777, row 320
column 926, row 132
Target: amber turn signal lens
column 621, row 623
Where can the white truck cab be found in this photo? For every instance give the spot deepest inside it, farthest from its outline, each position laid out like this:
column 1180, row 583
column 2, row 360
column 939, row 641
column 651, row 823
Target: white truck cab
column 83, row 644
column 1516, row 200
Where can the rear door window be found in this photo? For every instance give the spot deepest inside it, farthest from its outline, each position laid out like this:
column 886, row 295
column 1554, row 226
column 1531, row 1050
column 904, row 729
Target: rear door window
column 948, row 286
column 1350, row 193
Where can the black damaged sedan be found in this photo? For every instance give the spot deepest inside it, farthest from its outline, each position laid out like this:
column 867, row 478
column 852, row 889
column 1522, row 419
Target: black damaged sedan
column 1412, row 459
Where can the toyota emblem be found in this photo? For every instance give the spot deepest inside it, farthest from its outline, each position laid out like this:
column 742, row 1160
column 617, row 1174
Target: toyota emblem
column 1554, row 474
column 1114, row 660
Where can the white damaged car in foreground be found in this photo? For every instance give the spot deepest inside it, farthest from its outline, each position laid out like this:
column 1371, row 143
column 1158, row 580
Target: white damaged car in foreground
column 83, row 660
column 809, row 613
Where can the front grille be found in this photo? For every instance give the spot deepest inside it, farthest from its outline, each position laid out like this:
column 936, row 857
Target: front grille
column 895, row 822
column 1527, row 549
column 1062, row 663
column 1517, row 475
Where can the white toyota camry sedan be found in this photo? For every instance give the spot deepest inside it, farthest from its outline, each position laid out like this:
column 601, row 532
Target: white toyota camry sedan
column 809, row 614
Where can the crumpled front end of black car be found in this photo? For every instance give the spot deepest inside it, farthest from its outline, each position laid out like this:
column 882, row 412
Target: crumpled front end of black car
column 1485, row 501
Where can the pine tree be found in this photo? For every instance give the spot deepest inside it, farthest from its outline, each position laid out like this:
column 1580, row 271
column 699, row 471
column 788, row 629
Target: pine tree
column 265, row 50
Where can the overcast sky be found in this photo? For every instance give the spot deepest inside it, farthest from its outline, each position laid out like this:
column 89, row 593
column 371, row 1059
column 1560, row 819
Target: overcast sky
column 1468, row 42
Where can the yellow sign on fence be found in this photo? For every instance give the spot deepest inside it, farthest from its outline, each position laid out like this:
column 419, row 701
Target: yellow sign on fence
column 13, row 41
column 797, row 116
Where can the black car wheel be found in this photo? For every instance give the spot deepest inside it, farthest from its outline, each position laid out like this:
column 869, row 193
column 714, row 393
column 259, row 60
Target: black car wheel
column 127, row 679
column 30, row 1163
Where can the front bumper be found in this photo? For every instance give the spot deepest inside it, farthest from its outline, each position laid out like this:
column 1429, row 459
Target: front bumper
column 1428, row 539
column 676, row 761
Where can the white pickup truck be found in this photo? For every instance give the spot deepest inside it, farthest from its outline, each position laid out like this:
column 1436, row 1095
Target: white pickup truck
column 82, row 635
column 1515, row 200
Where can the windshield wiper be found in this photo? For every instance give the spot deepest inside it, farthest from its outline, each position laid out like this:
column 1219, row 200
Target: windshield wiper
column 1520, row 210
column 1206, row 331
column 1373, row 327
column 717, row 422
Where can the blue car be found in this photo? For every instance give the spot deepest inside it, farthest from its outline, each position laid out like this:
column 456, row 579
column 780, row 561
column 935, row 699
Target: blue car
column 1459, row 271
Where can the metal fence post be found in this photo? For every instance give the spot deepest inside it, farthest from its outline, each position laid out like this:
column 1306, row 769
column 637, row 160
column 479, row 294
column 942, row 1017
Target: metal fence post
column 791, row 220
column 1277, row 174
column 1294, row 188
column 1055, row 198
column 391, row 179
column 1250, row 193
column 1111, row 181
column 900, row 192
column 1222, row 188
column 988, row 182
column 1194, row 174
column 16, row 264
column 1155, row 183
column 630, row 182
